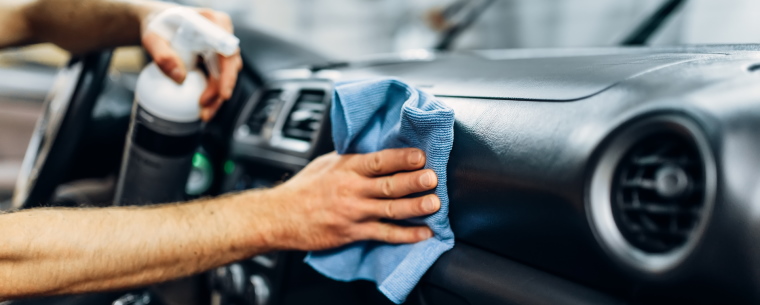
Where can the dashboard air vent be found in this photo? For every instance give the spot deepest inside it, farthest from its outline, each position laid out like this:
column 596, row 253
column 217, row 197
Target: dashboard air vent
column 658, row 192
column 262, row 114
column 304, row 120
column 652, row 191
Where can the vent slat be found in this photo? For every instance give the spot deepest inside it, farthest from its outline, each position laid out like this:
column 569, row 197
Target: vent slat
column 647, row 213
column 657, row 208
column 306, row 116
column 659, row 160
column 640, row 183
column 648, row 232
column 262, row 114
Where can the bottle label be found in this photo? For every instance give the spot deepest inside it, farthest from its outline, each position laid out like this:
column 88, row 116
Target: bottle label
column 162, row 137
column 158, row 160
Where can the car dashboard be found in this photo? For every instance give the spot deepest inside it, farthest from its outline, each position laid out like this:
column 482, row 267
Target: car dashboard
column 593, row 176
column 283, row 125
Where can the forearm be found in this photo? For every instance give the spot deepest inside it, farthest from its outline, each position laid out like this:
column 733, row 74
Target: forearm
column 78, row 26
column 14, row 29
column 334, row 201
column 57, row 251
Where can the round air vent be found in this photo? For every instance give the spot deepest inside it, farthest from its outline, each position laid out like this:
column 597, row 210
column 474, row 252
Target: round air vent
column 651, row 192
column 658, row 192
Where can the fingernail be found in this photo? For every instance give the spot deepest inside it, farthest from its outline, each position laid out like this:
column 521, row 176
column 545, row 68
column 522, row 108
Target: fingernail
column 425, row 234
column 427, row 179
column 415, row 157
column 431, row 204
column 176, row 75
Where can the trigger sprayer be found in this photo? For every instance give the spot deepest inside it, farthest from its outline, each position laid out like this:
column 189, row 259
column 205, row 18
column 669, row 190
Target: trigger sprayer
column 165, row 127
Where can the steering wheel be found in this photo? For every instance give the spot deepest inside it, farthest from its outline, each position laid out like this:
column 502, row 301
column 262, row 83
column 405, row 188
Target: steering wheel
column 67, row 111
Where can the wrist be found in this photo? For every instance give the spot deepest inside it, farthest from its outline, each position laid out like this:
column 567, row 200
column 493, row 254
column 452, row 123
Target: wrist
column 251, row 215
column 143, row 11
column 17, row 23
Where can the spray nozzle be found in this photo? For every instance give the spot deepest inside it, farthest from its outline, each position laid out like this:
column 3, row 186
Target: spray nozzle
column 191, row 35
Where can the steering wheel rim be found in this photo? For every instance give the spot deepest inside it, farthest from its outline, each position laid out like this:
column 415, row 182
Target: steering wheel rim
column 67, row 111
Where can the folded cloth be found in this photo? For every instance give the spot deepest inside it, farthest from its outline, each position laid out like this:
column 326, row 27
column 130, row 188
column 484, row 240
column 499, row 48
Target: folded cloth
column 371, row 115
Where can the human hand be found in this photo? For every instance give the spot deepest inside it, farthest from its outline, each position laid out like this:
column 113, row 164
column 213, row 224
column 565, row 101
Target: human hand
column 339, row 199
column 218, row 89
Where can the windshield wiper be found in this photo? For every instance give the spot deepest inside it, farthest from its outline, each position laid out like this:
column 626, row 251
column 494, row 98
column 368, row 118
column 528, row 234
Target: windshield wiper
column 476, row 8
column 645, row 30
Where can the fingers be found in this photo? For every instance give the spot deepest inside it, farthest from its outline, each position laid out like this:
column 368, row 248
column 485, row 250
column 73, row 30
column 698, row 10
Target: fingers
column 394, row 234
column 402, row 184
column 209, row 99
column 164, row 56
column 229, row 67
column 388, row 161
column 208, row 112
column 405, row 208
column 211, row 93
column 220, row 89
column 219, row 18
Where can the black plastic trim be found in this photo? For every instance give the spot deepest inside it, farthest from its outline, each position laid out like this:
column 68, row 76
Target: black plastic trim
column 78, row 115
column 480, row 277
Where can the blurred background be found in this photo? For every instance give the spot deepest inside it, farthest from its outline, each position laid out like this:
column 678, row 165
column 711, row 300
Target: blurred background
column 347, row 29
column 350, row 28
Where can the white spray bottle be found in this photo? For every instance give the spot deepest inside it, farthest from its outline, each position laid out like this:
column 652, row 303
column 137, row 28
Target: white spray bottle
column 165, row 129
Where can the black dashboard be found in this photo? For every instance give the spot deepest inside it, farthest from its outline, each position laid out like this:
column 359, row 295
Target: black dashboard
column 596, row 176
column 283, row 124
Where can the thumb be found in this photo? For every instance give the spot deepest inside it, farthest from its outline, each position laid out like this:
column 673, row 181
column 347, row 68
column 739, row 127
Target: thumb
column 164, row 56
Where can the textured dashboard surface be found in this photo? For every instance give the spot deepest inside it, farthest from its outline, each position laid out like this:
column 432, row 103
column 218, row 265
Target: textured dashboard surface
column 529, row 127
column 519, row 167
column 550, row 78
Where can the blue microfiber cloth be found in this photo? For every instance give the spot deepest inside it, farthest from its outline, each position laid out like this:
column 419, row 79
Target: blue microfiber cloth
column 371, row 115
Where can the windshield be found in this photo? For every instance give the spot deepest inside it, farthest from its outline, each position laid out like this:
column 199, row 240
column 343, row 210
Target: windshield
column 349, row 28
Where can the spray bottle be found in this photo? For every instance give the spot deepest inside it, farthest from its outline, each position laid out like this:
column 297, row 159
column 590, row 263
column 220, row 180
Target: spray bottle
column 165, row 127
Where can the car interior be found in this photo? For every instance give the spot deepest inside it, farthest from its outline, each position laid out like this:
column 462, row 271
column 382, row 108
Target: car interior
column 615, row 175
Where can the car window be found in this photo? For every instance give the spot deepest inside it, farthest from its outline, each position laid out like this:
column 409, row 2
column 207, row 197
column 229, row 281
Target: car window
column 348, row 28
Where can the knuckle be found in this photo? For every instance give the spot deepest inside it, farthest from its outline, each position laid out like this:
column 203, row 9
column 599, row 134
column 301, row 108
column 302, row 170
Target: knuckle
column 387, row 233
column 343, row 231
column 389, row 209
column 337, row 226
column 350, row 211
column 354, row 233
column 386, row 186
column 374, row 164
